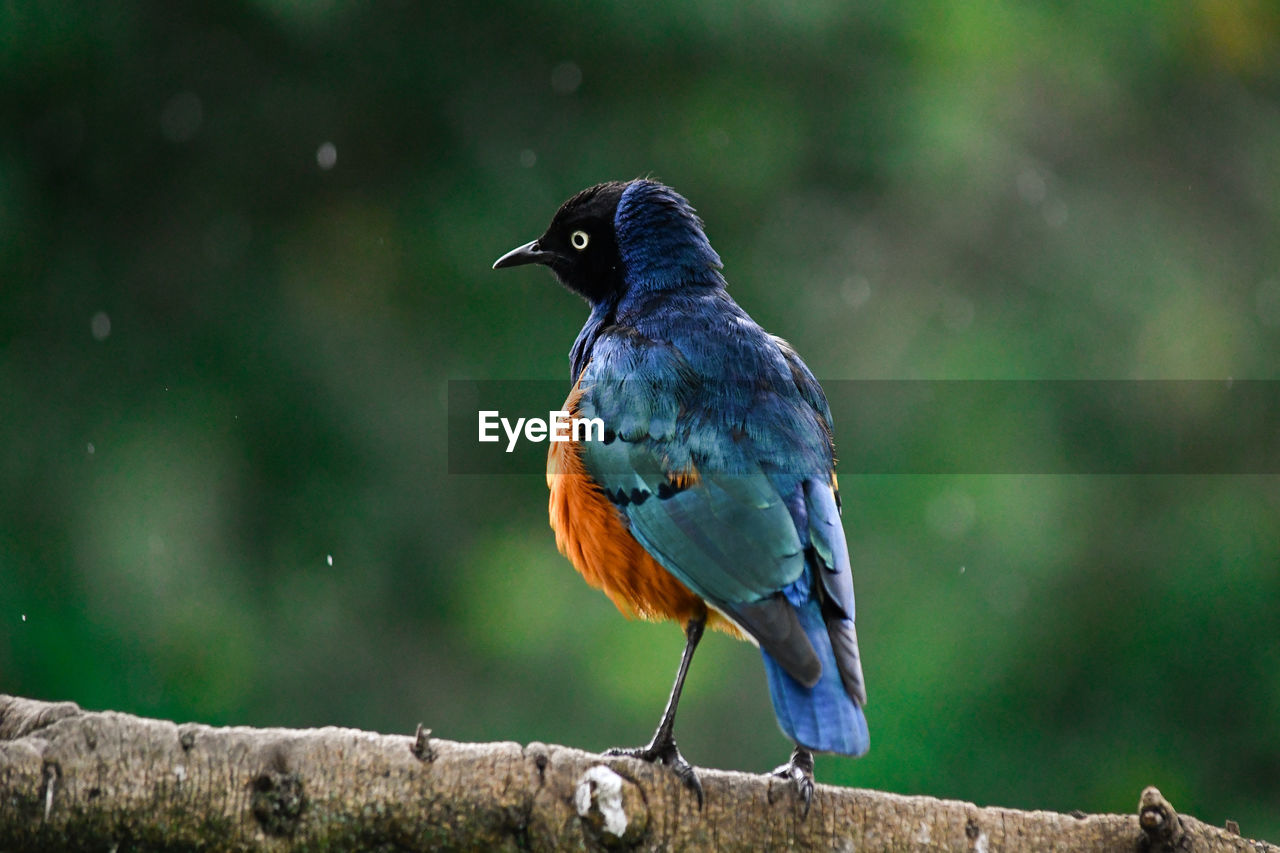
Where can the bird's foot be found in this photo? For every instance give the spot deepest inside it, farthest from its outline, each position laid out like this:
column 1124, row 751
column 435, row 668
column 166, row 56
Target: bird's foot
column 664, row 751
column 799, row 769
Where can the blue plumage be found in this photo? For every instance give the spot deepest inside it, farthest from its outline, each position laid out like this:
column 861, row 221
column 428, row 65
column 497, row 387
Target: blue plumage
column 822, row 717
column 718, row 452
column 661, row 241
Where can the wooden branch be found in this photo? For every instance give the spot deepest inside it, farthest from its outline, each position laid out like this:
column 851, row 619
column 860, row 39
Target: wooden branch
column 77, row 780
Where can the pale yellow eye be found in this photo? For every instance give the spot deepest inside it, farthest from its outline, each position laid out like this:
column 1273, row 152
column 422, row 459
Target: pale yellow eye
column 579, row 239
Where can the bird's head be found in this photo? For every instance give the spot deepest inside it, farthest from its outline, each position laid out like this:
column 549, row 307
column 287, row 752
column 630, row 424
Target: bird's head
column 618, row 237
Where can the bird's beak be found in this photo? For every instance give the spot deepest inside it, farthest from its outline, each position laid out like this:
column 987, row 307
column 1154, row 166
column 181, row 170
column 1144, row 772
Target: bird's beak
column 529, row 253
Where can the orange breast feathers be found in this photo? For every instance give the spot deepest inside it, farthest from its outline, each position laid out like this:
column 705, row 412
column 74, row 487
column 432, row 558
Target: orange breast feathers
column 591, row 532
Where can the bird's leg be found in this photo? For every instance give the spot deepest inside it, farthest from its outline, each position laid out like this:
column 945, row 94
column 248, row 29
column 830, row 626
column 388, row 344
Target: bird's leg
column 800, row 771
column 663, row 746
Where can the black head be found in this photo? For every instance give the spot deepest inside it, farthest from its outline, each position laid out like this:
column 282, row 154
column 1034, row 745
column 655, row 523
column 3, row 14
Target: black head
column 580, row 246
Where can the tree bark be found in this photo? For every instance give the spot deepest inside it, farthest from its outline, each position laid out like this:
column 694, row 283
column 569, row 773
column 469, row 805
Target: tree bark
column 77, row 780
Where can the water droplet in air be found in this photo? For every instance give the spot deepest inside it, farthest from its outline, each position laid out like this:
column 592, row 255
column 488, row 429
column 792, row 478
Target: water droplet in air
column 1031, row 186
column 566, row 78
column 327, row 156
column 855, row 291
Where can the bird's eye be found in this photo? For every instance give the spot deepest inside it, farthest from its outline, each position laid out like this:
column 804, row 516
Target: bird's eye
column 579, row 239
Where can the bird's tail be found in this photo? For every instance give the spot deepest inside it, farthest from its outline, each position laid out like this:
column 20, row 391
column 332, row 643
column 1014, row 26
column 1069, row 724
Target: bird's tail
column 825, row 717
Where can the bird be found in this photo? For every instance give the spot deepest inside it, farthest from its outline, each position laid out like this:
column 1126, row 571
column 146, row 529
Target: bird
column 711, row 497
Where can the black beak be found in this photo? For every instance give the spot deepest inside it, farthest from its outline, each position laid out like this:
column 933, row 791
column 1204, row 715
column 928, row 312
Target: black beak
column 529, row 253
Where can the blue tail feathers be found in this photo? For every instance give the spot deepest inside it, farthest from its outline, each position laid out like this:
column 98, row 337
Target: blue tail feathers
column 823, row 718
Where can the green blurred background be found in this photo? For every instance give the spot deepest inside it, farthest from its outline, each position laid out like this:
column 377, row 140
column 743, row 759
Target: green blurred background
column 244, row 246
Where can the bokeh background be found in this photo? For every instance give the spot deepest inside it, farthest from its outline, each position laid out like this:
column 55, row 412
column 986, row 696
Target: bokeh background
column 245, row 245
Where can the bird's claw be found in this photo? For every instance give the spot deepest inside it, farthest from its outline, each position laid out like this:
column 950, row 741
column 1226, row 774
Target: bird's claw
column 799, row 770
column 664, row 752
